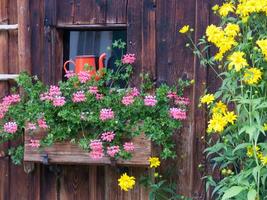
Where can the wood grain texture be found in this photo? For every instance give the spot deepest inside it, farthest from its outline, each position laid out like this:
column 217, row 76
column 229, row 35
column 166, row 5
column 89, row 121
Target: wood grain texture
column 134, row 37
column 68, row 153
column 74, row 183
column 116, row 11
column 90, row 12
column 4, row 61
column 24, row 35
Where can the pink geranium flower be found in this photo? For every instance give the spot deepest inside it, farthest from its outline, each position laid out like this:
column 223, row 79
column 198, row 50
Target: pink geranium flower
column 108, row 136
column 177, row 113
column 134, row 92
column 128, row 146
column 54, row 91
column 96, row 147
column 128, row 59
column 35, row 143
column 84, row 76
column 99, row 96
column 58, row 101
column 106, row 114
column 10, row 127
column 3, row 110
column 78, row 97
column 69, row 74
column 93, row 90
column 182, row 100
column 96, row 155
column 42, row 123
column 112, row 151
column 150, row 100
column 127, row 100
column 11, row 99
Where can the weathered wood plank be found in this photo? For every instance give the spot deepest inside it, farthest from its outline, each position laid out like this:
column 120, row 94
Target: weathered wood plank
column 37, row 37
column 92, row 26
column 200, row 74
column 65, row 11
column 4, row 161
column 149, row 38
column 49, row 182
column 134, row 37
column 116, row 11
column 68, row 153
column 24, row 35
column 74, row 183
column 90, row 12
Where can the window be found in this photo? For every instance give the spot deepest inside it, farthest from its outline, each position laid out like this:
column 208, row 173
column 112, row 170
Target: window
column 92, row 43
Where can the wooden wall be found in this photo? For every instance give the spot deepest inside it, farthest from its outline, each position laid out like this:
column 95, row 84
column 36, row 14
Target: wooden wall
column 152, row 34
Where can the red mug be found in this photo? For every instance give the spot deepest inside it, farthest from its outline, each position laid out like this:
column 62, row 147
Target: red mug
column 90, row 61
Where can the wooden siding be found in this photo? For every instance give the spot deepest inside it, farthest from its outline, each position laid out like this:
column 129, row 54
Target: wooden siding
column 152, row 34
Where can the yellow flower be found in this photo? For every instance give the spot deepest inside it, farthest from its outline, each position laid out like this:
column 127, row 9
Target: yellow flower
column 217, row 123
column 265, row 126
column 237, row 60
column 250, row 151
column 215, row 7
column 154, row 162
column 126, row 182
column 252, row 76
column 223, row 39
column 219, row 107
column 208, row 98
column 264, row 160
column 263, row 45
column 156, row 174
column 232, row 30
column 184, row 29
column 226, row 8
column 230, row 117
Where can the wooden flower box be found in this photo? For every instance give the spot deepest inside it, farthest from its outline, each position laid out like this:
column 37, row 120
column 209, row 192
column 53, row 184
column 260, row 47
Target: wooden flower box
column 69, row 153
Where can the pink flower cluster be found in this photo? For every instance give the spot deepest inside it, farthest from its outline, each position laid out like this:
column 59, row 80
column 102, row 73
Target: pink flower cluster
column 128, row 146
column 177, row 113
column 150, row 100
column 78, row 97
column 108, row 136
column 7, row 101
column 69, row 74
column 42, row 123
column 96, row 147
column 84, row 76
column 59, row 101
column 134, row 92
column 34, row 143
column 106, row 113
column 113, row 150
column 93, row 90
column 54, row 95
column 31, row 126
column 128, row 59
column 127, row 100
column 177, row 99
column 10, row 127
column 11, row 99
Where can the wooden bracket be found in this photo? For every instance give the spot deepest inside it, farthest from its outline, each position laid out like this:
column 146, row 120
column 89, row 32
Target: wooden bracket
column 28, row 167
column 6, row 27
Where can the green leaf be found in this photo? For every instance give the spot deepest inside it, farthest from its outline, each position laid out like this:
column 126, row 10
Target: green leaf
column 252, row 194
column 231, row 192
column 241, row 146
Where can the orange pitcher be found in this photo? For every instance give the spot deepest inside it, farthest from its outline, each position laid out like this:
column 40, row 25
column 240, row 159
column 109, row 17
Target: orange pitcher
column 90, row 61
